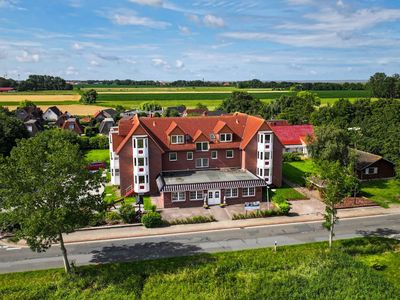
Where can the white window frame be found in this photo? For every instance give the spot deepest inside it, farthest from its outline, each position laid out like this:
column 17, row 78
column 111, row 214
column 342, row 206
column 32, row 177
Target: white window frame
column 216, row 154
column 223, row 137
column 176, row 156
column 180, row 196
column 202, row 147
column 247, row 193
column 199, row 195
column 230, row 194
column 177, row 139
column 202, row 165
column 230, row 150
column 187, row 155
column 374, row 171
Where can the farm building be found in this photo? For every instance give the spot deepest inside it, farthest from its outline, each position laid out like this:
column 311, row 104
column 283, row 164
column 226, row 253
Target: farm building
column 371, row 166
column 195, row 161
column 6, row 89
column 52, row 114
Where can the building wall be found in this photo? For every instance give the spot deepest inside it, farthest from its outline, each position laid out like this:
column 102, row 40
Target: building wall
column 155, row 166
column 277, row 162
column 126, row 167
column 166, row 197
column 385, row 170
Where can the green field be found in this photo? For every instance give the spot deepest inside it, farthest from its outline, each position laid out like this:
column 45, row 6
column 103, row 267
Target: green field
column 296, row 171
column 382, row 192
column 355, row 269
column 98, row 155
column 288, row 193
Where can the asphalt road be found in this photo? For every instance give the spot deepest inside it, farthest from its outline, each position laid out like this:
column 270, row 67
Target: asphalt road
column 23, row 259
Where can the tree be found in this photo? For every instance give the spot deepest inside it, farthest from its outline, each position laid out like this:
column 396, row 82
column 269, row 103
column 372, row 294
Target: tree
column 242, row 102
column 171, row 113
column 201, row 106
column 150, row 106
column 46, row 189
column 330, row 144
column 26, row 103
column 89, row 97
column 337, row 181
column 11, row 130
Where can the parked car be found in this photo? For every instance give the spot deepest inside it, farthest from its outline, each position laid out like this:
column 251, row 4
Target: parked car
column 95, row 166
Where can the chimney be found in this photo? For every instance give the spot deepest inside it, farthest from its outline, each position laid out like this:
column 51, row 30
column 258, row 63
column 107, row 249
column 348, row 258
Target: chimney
column 154, row 123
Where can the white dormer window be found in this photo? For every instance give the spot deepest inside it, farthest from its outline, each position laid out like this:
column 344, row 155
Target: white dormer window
column 225, row 137
column 177, row 139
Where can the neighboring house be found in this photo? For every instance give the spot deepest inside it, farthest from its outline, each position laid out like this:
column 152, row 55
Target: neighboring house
column 191, row 112
column 293, row 137
column 216, row 113
column 370, row 166
column 28, row 113
column 33, row 126
column 105, row 113
column 180, row 109
column 106, row 125
column 73, row 124
column 134, row 112
column 6, row 89
column 189, row 161
column 61, row 119
column 52, row 114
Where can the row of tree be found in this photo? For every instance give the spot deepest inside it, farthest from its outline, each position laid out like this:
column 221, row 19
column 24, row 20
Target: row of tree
column 37, row 83
column 383, row 86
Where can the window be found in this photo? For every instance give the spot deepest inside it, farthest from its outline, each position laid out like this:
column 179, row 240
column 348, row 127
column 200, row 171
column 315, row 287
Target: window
column 140, row 143
column 116, row 172
column 370, row 171
column 178, row 196
column 260, row 172
column 142, row 179
column 212, row 136
column 267, row 138
column 231, row 193
column 71, row 126
column 202, row 146
column 225, row 137
column 266, row 155
column 177, row 139
column 214, row 154
column 196, row 195
column 249, row 192
column 116, row 157
column 202, row 163
column 189, row 155
column 266, row 172
column 229, row 153
column 30, row 129
column 173, row 156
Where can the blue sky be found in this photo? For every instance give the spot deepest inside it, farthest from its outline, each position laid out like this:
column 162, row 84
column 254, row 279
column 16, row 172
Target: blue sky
column 214, row 40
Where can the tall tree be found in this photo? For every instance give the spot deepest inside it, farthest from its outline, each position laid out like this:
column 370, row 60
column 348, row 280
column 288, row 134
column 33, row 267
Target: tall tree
column 46, row 189
column 11, row 130
column 150, row 106
column 242, row 102
column 89, row 97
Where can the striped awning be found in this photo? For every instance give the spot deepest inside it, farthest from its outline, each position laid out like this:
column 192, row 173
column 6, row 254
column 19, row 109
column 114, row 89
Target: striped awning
column 208, row 185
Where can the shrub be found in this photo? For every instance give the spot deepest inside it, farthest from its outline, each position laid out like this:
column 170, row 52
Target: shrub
column 255, row 214
column 97, row 219
column 193, row 220
column 152, row 219
column 127, row 213
column 91, row 131
column 291, row 156
column 113, row 217
column 283, row 206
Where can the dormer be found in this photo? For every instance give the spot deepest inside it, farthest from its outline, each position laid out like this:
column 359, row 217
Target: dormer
column 175, row 134
column 201, row 140
column 224, row 132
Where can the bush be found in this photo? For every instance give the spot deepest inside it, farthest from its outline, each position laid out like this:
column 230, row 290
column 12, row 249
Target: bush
column 127, row 213
column 291, row 156
column 193, row 220
column 152, row 219
column 91, row 131
column 93, row 142
column 97, row 219
column 282, row 204
column 113, row 217
column 255, row 214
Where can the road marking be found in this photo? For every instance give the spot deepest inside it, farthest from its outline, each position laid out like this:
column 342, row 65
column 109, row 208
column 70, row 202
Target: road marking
column 11, row 249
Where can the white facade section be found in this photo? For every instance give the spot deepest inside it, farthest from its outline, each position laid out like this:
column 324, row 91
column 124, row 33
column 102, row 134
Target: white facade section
column 49, row 115
column 114, row 160
column 265, row 145
column 141, row 178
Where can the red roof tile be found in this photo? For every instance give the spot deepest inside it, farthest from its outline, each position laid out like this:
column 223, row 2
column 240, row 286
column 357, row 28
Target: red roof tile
column 292, row 134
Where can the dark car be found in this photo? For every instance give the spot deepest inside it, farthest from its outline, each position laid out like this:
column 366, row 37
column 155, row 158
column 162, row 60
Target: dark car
column 95, row 166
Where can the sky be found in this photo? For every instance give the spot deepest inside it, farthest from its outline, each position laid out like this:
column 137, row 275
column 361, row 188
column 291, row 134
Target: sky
column 201, row 39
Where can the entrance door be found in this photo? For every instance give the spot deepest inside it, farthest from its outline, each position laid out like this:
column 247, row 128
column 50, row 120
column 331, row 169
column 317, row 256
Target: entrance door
column 214, row 197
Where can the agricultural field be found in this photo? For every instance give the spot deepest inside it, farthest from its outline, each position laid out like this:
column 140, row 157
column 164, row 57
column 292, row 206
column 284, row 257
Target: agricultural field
column 365, row 268
column 74, row 109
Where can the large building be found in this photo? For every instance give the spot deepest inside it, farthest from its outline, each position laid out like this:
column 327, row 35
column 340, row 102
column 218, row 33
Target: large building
column 191, row 161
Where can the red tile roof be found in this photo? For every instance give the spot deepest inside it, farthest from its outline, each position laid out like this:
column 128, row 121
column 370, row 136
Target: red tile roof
column 292, row 134
column 243, row 126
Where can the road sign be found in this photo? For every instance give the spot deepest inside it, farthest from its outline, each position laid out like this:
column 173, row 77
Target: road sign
column 252, row 205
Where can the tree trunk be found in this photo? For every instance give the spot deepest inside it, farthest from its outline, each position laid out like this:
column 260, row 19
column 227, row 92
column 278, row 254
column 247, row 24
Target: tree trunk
column 331, row 231
column 67, row 267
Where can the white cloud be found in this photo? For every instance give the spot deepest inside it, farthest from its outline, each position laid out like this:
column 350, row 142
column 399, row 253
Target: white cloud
column 10, row 4
column 77, row 46
column 94, row 62
column 71, row 71
column 159, row 62
column 28, row 57
column 83, row 45
column 131, row 18
column 75, row 3
column 184, row 30
column 179, row 64
column 194, row 18
column 158, row 3
column 213, row 21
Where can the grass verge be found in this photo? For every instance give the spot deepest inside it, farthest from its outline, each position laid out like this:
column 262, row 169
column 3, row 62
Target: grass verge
column 296, row 171
column 383, row 192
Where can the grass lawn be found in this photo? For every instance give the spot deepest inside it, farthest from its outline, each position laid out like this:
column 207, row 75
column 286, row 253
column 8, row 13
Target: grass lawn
column 288, row 193
column 296, row 170
column 98, row 155
column 382, row 192
column 110, row 194
column 295, row 272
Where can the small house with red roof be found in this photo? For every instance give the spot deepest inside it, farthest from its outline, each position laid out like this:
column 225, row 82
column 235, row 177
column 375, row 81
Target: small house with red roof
column 194, row 161
column 293, row 137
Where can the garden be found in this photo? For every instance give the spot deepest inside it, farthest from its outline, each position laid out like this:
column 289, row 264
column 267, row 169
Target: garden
column 364, row 268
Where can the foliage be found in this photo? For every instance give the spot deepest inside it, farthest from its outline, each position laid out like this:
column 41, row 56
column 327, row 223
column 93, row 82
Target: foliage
column 150, row 106
column 97, row 219
column 282, row 208
column 282, row 204
column 152, row 219
column 89, row 97
column 201, row 106
column 45, row 188
column 11, row 130
column 91, row 131
column 95, row 142
column 193, row 220
column 112, row 217
column 291, row 156
column 148, row 205
column 171, row 112
column 43, row 82
column 127, row 213
column 242, row 102
column 383, row 86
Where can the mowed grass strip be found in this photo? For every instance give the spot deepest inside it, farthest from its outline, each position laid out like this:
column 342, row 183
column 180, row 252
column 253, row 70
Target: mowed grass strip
column 383, row 192
column 296, row 171
column 296, row 272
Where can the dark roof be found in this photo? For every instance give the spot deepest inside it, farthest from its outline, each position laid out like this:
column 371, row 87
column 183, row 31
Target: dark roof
column 55, row 110
column 109, row 112
column 106, row 125
column 216, row 113
column 365, row 159
column 179, row 108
